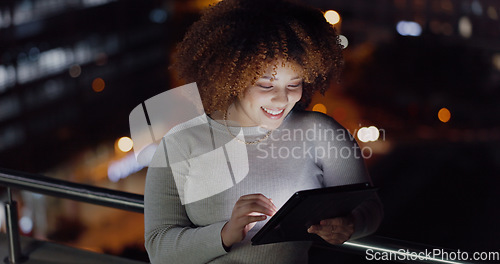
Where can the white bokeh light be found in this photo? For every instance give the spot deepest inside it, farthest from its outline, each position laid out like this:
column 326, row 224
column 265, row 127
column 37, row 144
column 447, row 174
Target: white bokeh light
column 465, row 27
column 26, row 224
column 343, row 41
column 332, row 17
column 367, row 134
column 409, row 28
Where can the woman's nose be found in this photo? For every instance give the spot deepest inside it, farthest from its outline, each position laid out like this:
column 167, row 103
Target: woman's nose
column 280, row 96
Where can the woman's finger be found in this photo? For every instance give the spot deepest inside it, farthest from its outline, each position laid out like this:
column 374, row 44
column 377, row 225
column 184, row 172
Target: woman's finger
column 260, row 197
column 255, row 201
column 252, row 218
column 250, row 208
column 254, row 205
column 330, row 231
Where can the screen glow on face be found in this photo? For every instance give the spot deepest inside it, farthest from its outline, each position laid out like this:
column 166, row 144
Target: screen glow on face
column 269, row 100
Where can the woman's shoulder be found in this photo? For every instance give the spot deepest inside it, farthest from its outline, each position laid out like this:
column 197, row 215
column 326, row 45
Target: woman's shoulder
column 188, row 125
column 324, row 127
column 303, row 118
column 187, row 134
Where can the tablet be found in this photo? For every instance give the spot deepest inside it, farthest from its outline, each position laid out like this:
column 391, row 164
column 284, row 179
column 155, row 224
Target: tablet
column 309, row 207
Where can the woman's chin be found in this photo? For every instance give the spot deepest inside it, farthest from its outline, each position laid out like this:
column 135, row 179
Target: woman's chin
column 271, row 126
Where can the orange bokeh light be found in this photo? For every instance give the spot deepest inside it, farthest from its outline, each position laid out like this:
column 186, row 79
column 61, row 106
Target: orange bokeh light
column 319, row 108
column 98, row 85
column 444, row 115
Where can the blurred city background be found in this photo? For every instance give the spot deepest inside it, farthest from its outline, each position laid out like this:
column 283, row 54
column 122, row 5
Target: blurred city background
column 420, row 91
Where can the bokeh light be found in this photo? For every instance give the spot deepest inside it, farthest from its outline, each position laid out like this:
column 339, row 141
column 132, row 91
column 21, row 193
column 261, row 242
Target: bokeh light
column 319, row 108
column 75, row 71
column 492, row 13
column 496, row 61
column 476, row 7
column 98, row 85
column 26, row 224
column 465, row 27
column 343, row 41
column 444, row 115
column 367, row 134
column 122, row 168
column 125, row 144
column 409, row 28
column 332, row 17
column 158, row 15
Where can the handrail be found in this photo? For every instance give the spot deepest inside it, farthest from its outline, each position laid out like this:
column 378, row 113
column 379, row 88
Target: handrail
column 401, row 251
column 74, row 191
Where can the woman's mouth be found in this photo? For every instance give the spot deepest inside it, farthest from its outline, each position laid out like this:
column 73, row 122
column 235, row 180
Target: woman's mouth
column 273, row 113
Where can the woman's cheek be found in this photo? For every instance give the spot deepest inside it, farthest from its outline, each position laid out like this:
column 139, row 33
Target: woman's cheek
column 297, row 95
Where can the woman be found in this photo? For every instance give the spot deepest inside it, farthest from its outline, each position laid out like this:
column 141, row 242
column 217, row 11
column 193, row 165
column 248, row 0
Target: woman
column 257, row 64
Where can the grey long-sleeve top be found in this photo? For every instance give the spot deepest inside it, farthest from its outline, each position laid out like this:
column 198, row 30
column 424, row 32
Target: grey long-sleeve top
column 199, row 171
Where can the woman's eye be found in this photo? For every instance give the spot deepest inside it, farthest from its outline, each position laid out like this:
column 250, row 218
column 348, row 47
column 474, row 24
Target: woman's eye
column 264, row 86
column 294, row 85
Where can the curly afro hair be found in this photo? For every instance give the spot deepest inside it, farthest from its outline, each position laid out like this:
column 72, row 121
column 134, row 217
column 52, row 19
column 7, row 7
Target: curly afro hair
column 235, row 41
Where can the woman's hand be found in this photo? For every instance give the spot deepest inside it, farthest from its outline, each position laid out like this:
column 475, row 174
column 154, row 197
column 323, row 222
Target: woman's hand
column 247, row 210
column 335, row 230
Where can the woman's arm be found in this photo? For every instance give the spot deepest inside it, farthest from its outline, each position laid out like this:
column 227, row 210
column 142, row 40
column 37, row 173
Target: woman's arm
column 345, row 165
column 170, row 237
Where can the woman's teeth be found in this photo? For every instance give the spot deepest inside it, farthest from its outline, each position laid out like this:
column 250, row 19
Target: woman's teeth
column 272, row 112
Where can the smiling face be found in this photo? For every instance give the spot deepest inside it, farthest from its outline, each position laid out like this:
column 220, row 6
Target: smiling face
column 269, row 100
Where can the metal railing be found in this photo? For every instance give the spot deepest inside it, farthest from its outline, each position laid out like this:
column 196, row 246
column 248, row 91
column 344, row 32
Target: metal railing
column 134, row 202
column 58, row 188
column 70, row 190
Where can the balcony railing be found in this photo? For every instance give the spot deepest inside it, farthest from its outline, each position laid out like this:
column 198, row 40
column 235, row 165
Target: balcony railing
column 376, row 245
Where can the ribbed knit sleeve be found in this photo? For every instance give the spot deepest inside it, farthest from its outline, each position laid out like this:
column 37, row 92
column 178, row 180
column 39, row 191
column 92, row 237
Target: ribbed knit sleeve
column 170, row 237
